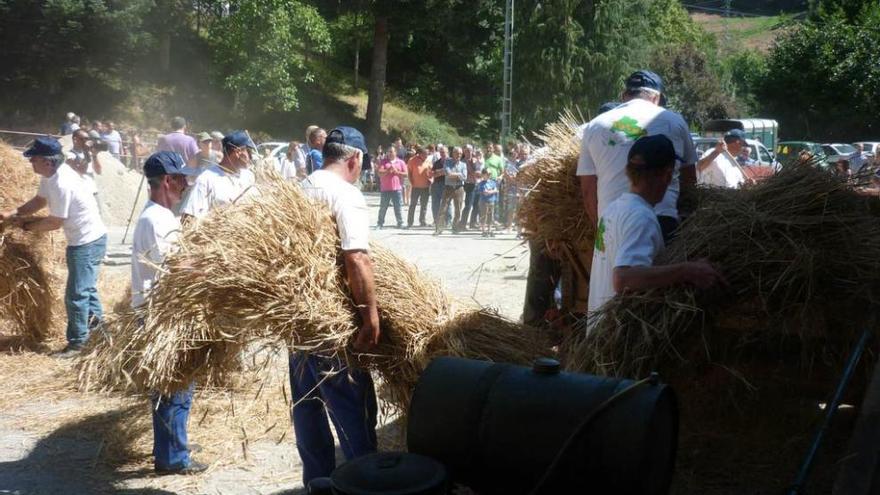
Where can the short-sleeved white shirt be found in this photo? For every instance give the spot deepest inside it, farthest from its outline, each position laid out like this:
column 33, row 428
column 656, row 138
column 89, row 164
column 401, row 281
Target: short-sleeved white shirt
column 155, row 235
column 722, row 172
column 608, row 138
column 72, row 199
column 347, row 205
column 628, row 235
column 216, row 187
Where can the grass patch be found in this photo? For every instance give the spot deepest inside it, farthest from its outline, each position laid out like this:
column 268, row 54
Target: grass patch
column 411, row 125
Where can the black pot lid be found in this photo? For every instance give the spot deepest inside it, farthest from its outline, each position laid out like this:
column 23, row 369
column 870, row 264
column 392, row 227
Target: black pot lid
column 389, row 473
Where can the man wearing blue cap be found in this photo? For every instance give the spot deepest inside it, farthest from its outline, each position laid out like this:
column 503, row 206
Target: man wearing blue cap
column 608, row 138
column 628, row 237
column 322, row 386
column 73, row 208
column 718, row 166
column 223, row 183
column 155, row 235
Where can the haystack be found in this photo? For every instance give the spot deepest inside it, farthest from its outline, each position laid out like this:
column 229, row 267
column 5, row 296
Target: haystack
column 268, row 273
column 552, row 210
column 26, row 259
column 801, row 252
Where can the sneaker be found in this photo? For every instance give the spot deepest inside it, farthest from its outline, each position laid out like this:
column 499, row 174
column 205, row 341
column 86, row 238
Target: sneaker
column 485, row 234
column 423, row 225
column 194, row 467
column 72, row 350
column 436, row 232
column 400, row 226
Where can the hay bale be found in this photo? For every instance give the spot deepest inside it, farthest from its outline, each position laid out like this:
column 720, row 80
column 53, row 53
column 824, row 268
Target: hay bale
column 27, row 260
column 801, row 251
column 552, row 210
column 269, row 273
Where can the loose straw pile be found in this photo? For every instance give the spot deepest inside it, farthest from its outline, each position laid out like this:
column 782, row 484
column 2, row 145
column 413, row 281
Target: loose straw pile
column 268, row 273
column 26, row 259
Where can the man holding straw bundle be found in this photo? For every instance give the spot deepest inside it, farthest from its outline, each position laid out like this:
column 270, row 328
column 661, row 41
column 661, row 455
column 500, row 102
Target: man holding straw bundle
column 322, row 386
column 224, row 183
column 628, row 237
column 73, row 208
column 155, row 235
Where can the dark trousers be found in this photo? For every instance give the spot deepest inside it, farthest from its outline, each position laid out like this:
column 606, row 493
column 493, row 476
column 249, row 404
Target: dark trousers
column 436, row 199
column 321, row 387
column 395, row 198
column 475, row 210
column 544, row 274
column 468, row 204
column 668, row 227
column 419, row 195
column 170, row 417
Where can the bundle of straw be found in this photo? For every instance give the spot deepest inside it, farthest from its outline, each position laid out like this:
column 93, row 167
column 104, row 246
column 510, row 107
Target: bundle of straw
column 269, row 272
column 26, row 259
column 552, row 210
column 798, row 249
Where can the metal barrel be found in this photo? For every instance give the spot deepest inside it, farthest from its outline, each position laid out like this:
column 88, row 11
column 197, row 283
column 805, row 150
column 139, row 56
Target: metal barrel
column 499, row 428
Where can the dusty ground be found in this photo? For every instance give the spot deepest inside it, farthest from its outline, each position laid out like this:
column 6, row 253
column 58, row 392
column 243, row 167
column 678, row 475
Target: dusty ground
column 54, row 439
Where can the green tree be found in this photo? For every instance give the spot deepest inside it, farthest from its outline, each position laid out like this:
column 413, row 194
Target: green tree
column 262, row 51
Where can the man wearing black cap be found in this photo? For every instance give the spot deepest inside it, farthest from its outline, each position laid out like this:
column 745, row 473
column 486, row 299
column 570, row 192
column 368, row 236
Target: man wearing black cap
column 718, row 166
column 323, row 385
column 224, row 183
column 607, row 139
column 628, row 236
column 71, row 207
column 154, row 237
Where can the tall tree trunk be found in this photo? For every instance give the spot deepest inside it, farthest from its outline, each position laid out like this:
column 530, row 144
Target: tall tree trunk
column 377, row 81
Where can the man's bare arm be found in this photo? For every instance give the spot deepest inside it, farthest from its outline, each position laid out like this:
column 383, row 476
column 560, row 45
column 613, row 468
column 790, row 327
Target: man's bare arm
column 589, row 187
column 34, row 205
column 359, row 271
column 699, row 274
column 43, row 224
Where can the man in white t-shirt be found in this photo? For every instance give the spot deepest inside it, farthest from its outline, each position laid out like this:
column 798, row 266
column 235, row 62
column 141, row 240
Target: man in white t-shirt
column 224, row 183
column 607, row 139
column 155, row 236
column 72, row 207
column 718, row 166
column 347, row 395
column 628, row 236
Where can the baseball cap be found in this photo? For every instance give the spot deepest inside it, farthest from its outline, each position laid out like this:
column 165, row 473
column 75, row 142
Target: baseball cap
column 166, row 163
column 649, row 152
column 43, row 146
column 644, row 79
column 216, row 135
column 735, row 134
column 608, row 105
column 348, row 136
column 239, row 139
column 204, row 136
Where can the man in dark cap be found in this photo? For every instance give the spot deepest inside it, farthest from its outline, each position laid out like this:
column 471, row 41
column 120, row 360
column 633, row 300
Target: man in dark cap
column 718, row 166
column 155, row 236
column 224, row 183
column 323, row 386
column 72, row 207
column 607, row 139
column 628, row 236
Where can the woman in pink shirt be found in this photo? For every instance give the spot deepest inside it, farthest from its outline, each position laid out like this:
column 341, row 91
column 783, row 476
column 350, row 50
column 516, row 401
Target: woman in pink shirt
column 391, row 173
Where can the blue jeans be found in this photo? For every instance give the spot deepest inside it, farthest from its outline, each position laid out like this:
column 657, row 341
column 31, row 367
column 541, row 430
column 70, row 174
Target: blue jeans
column 170, row 417
column 84, row 311
column 394, row 197
column 348, row 397
column 436, row 199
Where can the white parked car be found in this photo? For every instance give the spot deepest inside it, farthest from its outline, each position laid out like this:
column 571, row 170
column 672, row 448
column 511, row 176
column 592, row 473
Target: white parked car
column 838, row 151
column 870, row 147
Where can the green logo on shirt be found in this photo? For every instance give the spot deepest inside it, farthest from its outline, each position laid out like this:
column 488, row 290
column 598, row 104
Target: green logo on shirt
column 600, row 236
column 629, row 127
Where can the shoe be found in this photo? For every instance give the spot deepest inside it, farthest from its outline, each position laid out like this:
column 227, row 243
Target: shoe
column 436, row 232
column 194, row 467
column 400, row 226
column 485, row 234
column 491, row 234
column 423, row 225
column 71, row 351
column 379, row 227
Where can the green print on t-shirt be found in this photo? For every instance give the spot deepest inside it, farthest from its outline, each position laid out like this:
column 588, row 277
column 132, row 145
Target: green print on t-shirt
column 600, row 236
column 629, row 127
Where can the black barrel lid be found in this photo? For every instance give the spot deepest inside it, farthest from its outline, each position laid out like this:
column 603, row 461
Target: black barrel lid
column 389, row 473
column 546, row 366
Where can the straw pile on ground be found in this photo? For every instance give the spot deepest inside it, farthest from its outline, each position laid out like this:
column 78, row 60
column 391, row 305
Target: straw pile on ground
column 26, row 259
column 268, row 273
column 801, row 252
column 552, row 211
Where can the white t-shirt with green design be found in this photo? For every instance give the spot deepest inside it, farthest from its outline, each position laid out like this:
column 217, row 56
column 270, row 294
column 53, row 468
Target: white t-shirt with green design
column 608, row 138
column 628, row 235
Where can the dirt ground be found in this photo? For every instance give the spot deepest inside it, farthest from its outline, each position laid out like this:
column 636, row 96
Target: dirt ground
column 55, row 439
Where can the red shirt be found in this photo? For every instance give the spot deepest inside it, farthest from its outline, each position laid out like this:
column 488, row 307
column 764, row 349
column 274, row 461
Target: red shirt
column 390, row 181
